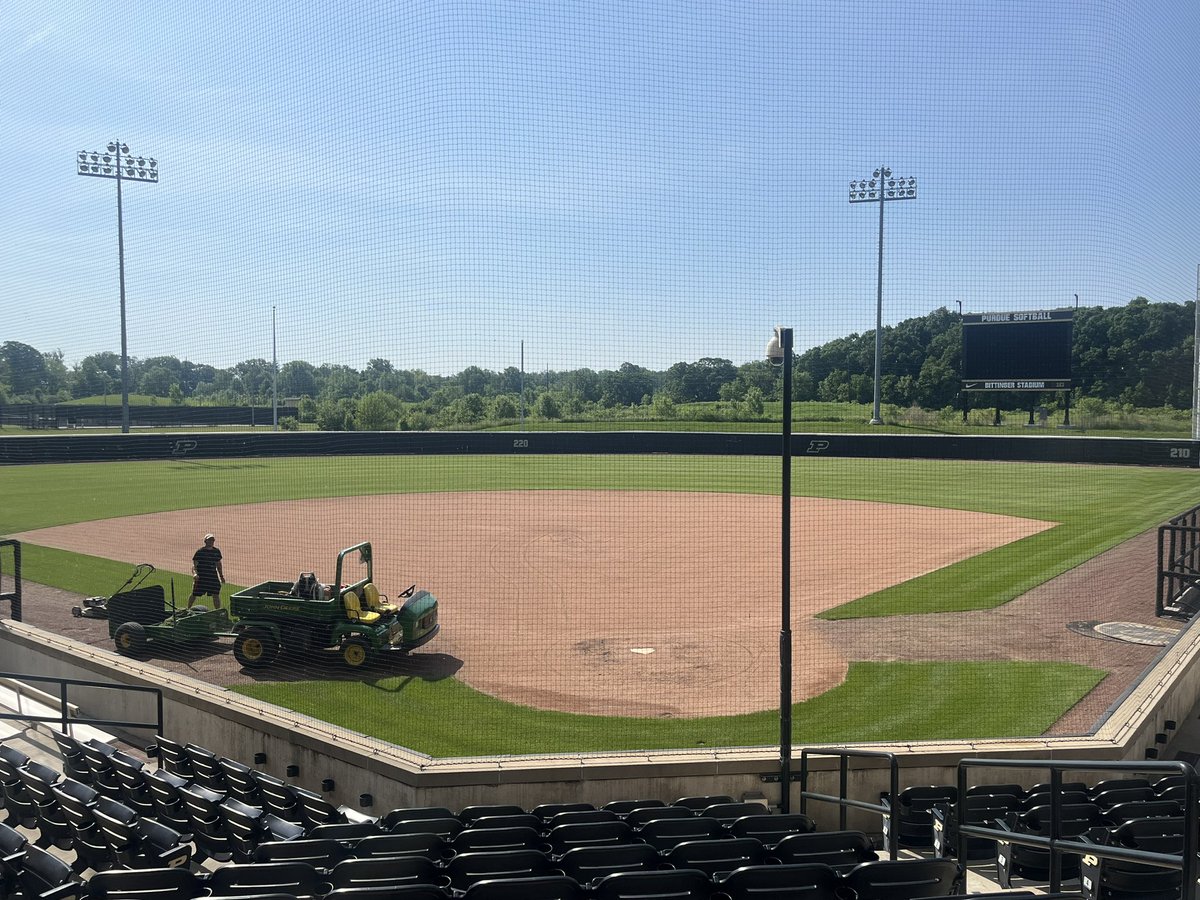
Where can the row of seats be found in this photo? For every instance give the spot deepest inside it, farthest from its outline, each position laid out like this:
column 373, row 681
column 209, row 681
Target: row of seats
column 702, row 846
column 1156, row 832
column 917, row 807
column 482, row 876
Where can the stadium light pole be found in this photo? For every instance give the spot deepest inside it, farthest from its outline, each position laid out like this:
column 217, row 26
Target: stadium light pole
column 881, row 188
column 274, row 377
column 1196, row 364
column 116, row 163
column 779, row 353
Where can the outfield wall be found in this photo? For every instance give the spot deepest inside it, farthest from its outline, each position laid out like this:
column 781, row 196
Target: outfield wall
column 1178, row 453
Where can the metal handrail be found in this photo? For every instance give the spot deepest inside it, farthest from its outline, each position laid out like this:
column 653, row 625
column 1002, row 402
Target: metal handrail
column 64, row 719
column 842, row 801
column 1185, row 861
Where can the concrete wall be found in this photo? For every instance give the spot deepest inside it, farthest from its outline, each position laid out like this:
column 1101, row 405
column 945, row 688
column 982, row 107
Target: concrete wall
column 247, row 730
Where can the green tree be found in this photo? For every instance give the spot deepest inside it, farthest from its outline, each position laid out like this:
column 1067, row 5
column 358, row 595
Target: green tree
column 504, row 407
column 752, row 405
column 335, row 415
column 297, row 379
column 157, row 381
column 547, row 406
column 23, row 368
column 467, row 410
column 626, row 386
column 306, row 409
column 376, row 411
column 96, row 375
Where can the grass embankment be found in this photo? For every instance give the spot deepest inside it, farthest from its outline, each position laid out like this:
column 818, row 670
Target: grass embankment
column 943, row 700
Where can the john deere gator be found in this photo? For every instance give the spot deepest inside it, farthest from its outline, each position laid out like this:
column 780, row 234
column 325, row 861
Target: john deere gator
column 350, row 618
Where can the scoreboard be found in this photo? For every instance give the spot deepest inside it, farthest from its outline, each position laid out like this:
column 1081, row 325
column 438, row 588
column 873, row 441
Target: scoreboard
column 1017, row 351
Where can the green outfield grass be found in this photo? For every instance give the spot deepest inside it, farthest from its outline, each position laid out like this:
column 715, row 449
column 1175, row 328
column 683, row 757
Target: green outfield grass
column 1095, row 507
column 431, row 717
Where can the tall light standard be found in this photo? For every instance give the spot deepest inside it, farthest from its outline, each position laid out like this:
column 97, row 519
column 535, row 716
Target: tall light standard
column 779, row 353
column 116, row 163
column 274, row 377
column 881, row 188
column 1196, row 364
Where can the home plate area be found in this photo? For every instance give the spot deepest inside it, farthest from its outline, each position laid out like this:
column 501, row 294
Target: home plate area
column 1129, row 632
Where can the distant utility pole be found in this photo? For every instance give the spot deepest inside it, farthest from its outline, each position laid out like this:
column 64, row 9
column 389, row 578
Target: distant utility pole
column 116, row 163
column 881, row 188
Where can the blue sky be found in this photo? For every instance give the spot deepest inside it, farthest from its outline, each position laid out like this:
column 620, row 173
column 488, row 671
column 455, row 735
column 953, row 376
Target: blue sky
column 434, row 182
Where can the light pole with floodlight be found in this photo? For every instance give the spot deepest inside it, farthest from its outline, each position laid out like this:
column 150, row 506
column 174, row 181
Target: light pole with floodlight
column 116, row 163
column 881, row 188
column 274, row 377
column 779, row 353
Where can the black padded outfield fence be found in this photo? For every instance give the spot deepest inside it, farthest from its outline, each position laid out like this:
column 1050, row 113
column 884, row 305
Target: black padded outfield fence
column 208, row 445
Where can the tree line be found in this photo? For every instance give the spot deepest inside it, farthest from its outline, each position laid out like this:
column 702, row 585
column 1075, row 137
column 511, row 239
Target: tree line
column 1138, row 355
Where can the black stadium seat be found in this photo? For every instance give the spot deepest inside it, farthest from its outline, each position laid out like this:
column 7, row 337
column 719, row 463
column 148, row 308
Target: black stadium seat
column 430, row 846
column 663, row 834
column 445, row 828
column 701, row 802
column 903, row 879
column 727, row 813
column 624, row 807
column 544, row 887
column 771, row 829
column 716, row 858
column 676, row 884
column 467, row 868
column 470, row 813
column 588, row 834
column 841, row 850
column 547, row 811
column 295, row 879
column 640, row 816
column 782, row 882
column 322, row 853
column 387, row 872
column 43, row 876
column 145, row 884
column 589, row 864
column 914, row 813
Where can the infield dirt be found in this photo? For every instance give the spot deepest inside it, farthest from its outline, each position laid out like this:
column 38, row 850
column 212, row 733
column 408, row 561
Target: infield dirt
column 642, row 603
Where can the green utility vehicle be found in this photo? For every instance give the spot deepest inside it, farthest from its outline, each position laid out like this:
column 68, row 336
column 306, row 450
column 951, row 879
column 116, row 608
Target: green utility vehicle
column 352, row 619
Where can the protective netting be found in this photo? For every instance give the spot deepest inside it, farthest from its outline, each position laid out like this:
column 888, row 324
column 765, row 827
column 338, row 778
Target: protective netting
column 529, row 217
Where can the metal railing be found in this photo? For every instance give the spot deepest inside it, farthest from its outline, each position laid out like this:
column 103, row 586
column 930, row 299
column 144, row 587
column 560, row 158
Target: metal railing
column 13, row 596
column 65, row 719
column 844, row 802
column 1185, row 861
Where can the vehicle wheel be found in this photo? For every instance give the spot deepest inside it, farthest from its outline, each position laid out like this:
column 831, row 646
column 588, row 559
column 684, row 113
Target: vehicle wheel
column 77, row 612
column 255, row 648
column 356, row 652
column 130, row 639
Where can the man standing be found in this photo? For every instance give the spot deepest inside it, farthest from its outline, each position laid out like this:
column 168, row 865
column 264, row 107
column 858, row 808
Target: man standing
column 207, row 574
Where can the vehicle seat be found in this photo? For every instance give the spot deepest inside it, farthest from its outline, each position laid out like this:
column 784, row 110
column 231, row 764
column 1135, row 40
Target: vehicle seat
column 375, row 601
column 307, row 587
column 354, row 610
